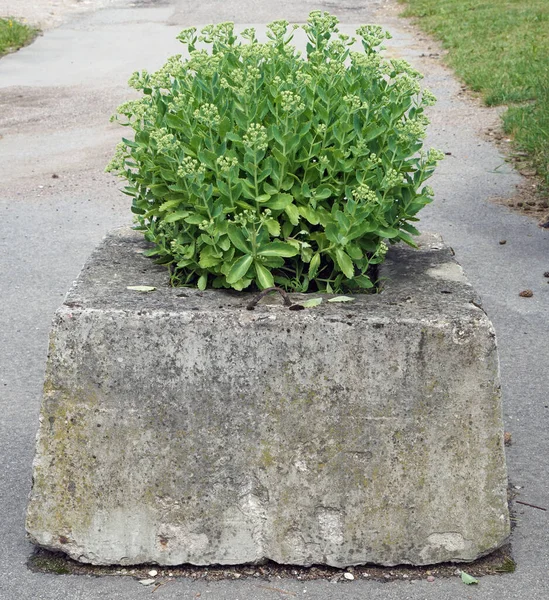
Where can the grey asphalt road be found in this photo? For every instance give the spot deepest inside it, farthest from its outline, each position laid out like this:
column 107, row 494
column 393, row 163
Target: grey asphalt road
column 56, row 203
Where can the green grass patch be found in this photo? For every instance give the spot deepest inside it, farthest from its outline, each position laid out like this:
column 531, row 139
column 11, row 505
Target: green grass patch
column 500, row 48
column 14, row 35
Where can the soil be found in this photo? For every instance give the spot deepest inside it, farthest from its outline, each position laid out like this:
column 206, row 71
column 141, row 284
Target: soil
column 530, row 198
column 498, row 562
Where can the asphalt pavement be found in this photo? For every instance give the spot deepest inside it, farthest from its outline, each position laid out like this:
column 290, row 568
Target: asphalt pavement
column 56, row 204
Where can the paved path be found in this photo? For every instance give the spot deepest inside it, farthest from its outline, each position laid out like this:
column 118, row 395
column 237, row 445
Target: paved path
column 56, row 204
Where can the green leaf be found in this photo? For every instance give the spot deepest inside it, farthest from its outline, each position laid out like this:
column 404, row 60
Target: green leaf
column 372, row 131
column 237, row 238
column 273, row 227
column 342, row 299
column 364, row 282
column 313, row 266
column 269, row 189
column 468, row 579
column 264, row 276
column 141, row 288
column 277, row 249
column 209, row 258
column 240, row 268
column 224, row 127
column 308, row 213
column 322, row 193
column 387, row 232
column 293, row 214
column 233, row 137
column 345, row 263
column 311, row 302
column 178, row 216
column 279, row 201
column 202, row 282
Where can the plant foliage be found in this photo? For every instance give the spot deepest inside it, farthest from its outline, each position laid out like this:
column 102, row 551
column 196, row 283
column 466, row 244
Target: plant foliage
column 252, row 165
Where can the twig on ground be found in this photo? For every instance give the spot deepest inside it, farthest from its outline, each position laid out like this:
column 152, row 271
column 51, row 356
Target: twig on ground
column 287, row 302
column 530, row 505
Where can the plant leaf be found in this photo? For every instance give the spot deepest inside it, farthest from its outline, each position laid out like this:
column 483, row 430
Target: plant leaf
column 141, row 288
column 293, row 214
column 273, row 227
column 279, row 201
column 237, row 238
column 342, row 299
column 240, row 268
column 311, row 302
column 264, row 276
column 277, row 249
column 468, row 579
column 345, row 263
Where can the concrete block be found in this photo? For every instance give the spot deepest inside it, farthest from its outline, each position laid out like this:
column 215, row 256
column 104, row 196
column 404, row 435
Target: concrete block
column 179, row 427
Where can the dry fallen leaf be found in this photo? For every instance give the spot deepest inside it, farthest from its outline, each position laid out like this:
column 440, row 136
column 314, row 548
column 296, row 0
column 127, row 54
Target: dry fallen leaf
column 141, row 288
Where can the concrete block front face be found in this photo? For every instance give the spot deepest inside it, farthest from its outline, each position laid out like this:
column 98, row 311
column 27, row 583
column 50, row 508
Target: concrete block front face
column 179, row 427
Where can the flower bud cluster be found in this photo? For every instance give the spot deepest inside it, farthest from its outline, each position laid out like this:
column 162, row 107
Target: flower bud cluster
column 428, row 98
column 290, row 102
column 172, row 69
column 255, row 137
column 364, row 193
column 165, row 141
column 403, row 66
column 226, row 163
column 139, row 80
column 207, row 114
column 406, row 85
column 373, row 35
column 189, row 167
column 413, row 128
column 434, row 155
column 117, row 163
column 392, row 179
column 204, row 63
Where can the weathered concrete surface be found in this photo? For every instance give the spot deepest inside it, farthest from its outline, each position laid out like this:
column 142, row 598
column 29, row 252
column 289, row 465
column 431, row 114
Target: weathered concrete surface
column 177, row 426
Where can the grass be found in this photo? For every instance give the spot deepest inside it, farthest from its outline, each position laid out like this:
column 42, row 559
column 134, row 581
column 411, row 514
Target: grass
column 14, row 35
column 500, row 48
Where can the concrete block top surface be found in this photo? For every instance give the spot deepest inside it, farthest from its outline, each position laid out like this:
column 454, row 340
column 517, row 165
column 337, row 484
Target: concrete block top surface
column 423, row 283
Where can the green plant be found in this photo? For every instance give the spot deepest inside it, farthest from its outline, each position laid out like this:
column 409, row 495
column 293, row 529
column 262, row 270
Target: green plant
column 253, row 165
column 14, row 35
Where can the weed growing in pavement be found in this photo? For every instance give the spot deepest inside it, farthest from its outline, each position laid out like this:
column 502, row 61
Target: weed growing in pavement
column 14, row 35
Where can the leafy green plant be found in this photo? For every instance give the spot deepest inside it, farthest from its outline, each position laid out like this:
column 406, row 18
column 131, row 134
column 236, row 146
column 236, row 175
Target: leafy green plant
column 14, row 35
column 252, row 165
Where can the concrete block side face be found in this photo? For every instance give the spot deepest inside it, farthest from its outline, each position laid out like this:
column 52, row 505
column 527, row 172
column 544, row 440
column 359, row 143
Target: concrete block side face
column 226, row 437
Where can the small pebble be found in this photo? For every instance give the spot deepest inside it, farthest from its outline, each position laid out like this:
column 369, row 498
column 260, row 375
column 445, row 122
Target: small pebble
column 430, row 579
column 502, row 242
column 153, row 573
column 147, row 581
column 236, row 575
column 546, row 274
column 349, row 576
column 526, row 293
column 365, row 574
